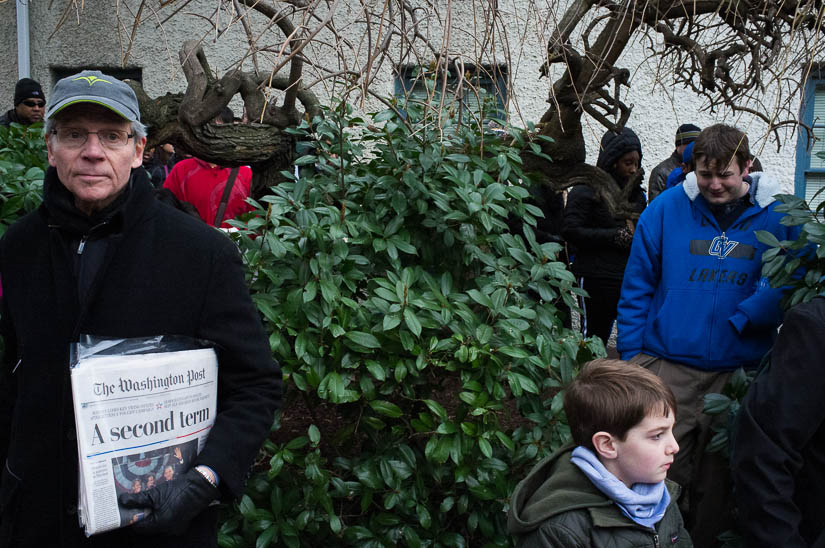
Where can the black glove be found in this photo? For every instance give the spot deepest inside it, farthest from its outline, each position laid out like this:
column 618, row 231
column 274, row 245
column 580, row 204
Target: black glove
column 623, row 238
column 172, row 504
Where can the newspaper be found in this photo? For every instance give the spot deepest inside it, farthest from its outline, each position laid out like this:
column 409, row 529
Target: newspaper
column 141, row 420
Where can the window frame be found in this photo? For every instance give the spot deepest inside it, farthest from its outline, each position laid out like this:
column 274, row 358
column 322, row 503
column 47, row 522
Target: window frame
column 804, row 141
column 493, row 76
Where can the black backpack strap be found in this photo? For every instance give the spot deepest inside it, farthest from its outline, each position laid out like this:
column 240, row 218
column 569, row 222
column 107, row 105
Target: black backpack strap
column 227, row 190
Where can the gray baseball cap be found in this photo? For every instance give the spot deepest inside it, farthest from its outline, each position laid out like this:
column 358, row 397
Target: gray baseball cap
column 92, row 86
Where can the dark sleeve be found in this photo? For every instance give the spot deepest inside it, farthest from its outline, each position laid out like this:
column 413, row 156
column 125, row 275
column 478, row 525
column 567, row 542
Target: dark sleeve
column 157, row 175
column 579, row 227
column 249, row 379
column 781, row 412
column 552, row 536
column 8, row 389
column 8, row 386
column 656, row 183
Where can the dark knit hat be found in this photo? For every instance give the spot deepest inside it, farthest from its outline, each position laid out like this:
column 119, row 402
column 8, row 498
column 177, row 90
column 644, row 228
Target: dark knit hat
column 687, row 133
column 27, row 88
column 614, row 145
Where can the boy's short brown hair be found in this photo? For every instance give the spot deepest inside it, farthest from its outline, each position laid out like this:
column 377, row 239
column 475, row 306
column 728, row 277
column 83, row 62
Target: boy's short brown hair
column 721, row 143
column 613, row 396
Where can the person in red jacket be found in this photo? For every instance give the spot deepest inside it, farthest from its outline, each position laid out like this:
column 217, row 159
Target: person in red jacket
column 202, row 184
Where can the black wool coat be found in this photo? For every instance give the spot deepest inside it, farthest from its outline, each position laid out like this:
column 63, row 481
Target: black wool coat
column 151, row 270
column 591, row 230
column 778, row 453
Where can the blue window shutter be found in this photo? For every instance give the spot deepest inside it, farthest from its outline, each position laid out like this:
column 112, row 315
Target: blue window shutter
column 809, row 176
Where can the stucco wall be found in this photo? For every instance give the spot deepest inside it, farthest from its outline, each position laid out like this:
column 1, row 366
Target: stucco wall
column 99, row 37
column 8, row 49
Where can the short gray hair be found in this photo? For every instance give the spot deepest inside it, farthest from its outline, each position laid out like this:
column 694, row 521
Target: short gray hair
column 139, row 130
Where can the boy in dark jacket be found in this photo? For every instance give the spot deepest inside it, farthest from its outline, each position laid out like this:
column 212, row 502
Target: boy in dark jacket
column 609, row 488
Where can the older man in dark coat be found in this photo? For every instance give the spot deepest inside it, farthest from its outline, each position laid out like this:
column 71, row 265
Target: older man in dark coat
column 101, row 256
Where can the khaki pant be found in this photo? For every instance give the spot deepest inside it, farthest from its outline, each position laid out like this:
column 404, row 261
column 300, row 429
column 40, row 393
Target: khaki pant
column 705, row 477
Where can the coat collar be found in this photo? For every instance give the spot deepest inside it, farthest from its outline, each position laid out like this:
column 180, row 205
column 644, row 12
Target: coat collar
column 59, row 209
column 12, row 116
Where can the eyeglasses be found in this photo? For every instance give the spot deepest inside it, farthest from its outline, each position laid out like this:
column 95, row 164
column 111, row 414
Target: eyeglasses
column 76, row 137
column 32, row 104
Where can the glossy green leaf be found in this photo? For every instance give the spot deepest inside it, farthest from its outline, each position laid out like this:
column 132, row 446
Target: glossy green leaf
column 436, row 409
column 314, row 434
column 412, row 322
column 386, row 408
column 364, row 339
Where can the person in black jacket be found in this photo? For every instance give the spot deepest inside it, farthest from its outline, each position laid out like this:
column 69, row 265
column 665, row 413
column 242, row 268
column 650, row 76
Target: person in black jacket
column 102, row 257
column 601, row 241
column 159, row 161
column 685, row 134
column 29, row 104
column 778, row 457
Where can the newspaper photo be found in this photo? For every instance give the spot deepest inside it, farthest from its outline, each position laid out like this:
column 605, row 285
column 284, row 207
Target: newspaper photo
column 141, row 419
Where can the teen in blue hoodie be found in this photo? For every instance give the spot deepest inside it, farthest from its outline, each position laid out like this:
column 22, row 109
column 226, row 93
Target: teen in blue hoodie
column 694, row 305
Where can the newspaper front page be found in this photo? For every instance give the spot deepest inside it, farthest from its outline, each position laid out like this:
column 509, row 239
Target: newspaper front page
column 141, row 420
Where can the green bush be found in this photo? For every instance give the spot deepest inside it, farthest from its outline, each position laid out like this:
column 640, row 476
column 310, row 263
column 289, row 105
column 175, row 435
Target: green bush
column 422, row 350
column 23, row 163
column 798, row 265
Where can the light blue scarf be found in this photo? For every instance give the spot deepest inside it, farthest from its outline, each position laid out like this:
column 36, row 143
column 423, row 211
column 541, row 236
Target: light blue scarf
column 644, row 503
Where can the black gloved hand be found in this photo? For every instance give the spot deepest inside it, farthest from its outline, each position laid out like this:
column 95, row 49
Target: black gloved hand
column 173, row 504
column 623, row 238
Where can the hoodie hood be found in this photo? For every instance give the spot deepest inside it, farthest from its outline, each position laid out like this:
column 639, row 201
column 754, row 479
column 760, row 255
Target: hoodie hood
column 554, row 485
column 766, row 188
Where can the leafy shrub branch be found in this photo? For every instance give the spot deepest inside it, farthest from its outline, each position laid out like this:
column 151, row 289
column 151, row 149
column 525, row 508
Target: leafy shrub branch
column 23, row 163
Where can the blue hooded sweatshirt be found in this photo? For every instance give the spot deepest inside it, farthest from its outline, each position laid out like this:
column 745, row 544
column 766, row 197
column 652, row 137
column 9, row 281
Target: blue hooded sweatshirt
column 694, row 294
column 677, row 176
